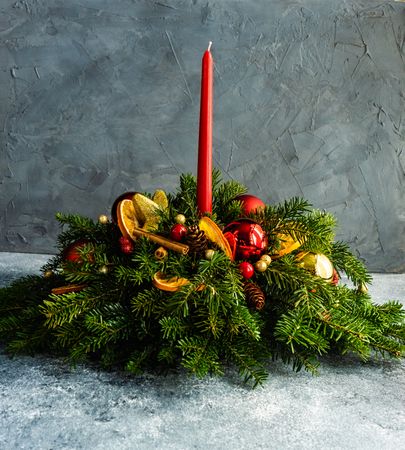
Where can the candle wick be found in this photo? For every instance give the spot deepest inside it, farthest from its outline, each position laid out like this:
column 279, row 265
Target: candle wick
column 209, row 45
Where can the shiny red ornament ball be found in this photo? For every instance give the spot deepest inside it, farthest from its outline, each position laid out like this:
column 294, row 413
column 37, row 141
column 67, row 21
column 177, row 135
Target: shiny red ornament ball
column 248, row 237
column 178, row 232
column 126, row 245
column 246, row 269
column 250, row 203
column 72, row 252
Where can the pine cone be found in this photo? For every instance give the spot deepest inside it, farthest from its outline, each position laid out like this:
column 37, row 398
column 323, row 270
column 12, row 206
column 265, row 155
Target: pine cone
column 254, row 296
column 196, row 240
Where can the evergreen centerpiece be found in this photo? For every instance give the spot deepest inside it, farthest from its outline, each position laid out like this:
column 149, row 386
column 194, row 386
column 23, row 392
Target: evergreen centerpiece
column 160, row 305
column 203, row 278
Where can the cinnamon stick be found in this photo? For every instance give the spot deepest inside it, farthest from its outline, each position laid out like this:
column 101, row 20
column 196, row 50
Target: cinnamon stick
column 68, row 289
column 164, row 242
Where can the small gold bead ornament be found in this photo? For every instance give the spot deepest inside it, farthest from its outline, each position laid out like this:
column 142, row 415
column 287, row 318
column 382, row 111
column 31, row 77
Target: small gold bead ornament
column 266, row 259
column 209, row 253
column 180, row 218
column 103, row 219
column 260, row 266
column 48, row 274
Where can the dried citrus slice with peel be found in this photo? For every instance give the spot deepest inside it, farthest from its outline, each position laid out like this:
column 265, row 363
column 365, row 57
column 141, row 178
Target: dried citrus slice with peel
column 160, row 198
column 126, row 218
column 232, row 242
column 171, row 284
column 317, row 263
column 324, row 267
column 287, row 245
column 214, row 234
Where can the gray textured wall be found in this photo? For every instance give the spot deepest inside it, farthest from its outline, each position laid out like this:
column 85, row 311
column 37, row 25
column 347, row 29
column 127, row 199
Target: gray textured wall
column 102, row 96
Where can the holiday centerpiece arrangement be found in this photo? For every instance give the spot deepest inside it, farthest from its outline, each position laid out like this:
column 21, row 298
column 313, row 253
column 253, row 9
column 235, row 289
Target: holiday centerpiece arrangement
column 205, row 278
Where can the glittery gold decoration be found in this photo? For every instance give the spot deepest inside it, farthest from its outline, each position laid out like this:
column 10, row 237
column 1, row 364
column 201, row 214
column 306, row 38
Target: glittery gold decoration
column 145, row 210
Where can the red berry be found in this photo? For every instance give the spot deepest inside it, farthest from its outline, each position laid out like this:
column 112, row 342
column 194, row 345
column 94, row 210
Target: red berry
column 246, row 269
column 127, row 249
column 178, row 232
column 124, row 241
column 126, row 245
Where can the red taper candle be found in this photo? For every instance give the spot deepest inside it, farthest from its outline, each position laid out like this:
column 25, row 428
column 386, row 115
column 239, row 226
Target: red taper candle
column 204, row 170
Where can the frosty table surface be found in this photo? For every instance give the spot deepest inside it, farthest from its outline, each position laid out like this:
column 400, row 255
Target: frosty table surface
column 350, row 405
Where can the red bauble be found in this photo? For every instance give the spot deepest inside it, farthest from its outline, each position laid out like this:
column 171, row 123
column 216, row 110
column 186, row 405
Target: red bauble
column 246, row 269
column 251, row 240
column 72, row 254
column 250, row 203
column 178, row 232
column 126, row 245
column 125, row 196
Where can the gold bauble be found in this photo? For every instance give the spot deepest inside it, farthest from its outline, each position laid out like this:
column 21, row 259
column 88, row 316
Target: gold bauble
column 103, row 219
column 260, row 266
column 180, row 218
column 266, row 259
column 48, row 274
column 209, row 253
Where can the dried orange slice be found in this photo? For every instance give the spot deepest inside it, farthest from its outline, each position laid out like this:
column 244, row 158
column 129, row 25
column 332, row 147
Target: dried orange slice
column 160, row 198
column 126, row 218
column 287, row 245
column 171, row 284
column 232, row 242
column 214, row 234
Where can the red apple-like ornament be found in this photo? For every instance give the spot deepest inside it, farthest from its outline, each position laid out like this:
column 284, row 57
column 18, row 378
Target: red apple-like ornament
column 248, row 238
column 72, row 252
column 178, row 232
column 250, row 203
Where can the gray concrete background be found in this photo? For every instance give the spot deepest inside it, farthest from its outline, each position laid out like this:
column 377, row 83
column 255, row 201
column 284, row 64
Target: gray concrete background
column 45, row 404
column 100, row 96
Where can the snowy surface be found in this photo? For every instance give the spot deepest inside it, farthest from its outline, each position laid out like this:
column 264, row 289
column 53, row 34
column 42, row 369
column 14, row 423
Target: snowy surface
column 45, row 404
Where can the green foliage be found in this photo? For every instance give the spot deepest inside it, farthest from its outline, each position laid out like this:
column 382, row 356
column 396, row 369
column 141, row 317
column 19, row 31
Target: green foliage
column 118, row 317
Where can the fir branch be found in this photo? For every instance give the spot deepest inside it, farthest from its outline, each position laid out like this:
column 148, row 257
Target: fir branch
column 138, row 360
column 241, row 352
column 172, row 327
column 297, row 331
column 60, row 309
column 344, row 260
column 199, row 357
